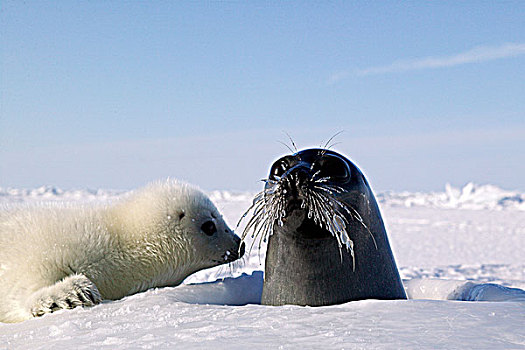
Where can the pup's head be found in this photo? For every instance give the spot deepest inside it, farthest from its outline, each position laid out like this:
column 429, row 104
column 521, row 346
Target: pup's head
column 174, row 218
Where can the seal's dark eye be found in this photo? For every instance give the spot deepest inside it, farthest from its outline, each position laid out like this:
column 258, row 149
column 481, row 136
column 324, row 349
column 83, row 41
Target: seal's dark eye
column 333, row 168
column 209, row 228
column 278, row 169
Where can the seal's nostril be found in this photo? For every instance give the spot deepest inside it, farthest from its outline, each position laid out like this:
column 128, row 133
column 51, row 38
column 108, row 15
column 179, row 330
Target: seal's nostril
column 241, row 250
column 296, row 178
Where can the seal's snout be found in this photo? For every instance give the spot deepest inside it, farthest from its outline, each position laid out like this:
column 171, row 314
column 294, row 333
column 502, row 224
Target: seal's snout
column 296, row 178
column 302, row 173
column 234, row 254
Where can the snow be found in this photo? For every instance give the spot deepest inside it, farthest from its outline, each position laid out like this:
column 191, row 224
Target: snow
column 155, row 319
column 460, row 254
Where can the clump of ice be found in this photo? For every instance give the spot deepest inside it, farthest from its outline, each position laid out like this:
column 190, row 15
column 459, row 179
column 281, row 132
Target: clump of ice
column 52, row 193
column 471, row 196
column 437, row 289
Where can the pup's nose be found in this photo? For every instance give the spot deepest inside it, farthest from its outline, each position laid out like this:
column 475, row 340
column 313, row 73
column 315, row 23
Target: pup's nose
column 241, row 250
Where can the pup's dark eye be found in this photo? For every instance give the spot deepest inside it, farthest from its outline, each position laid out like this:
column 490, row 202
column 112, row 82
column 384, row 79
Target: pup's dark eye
column 332, row 167
column 278, row 169
column 209, row 228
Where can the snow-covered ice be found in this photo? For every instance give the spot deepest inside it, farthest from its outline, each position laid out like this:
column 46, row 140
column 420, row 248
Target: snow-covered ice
column 460, row 254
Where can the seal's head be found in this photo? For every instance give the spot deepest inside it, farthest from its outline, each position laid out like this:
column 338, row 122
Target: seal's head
column 326, row 240
column 181, row 223
column 203, row 225
column 310, row 190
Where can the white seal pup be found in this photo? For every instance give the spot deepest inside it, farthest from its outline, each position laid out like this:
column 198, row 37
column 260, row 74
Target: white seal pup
column 59, row 256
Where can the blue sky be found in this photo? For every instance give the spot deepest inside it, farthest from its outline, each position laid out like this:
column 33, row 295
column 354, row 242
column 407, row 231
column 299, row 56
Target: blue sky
column 116, row 94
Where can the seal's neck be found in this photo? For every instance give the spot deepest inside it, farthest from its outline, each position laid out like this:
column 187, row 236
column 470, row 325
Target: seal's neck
column 305, row 268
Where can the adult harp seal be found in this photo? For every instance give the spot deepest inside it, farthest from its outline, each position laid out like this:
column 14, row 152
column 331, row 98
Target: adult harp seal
column 327, row 243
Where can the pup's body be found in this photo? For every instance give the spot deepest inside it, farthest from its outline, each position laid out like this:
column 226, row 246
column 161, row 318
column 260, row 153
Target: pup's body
column 62, row 256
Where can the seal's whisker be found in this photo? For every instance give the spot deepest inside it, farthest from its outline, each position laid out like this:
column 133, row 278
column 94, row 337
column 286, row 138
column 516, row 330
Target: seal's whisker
column 291, row 140
column 312, row 178
column 285, row 145
column 326, row 146
column 254, row 203
column 261, row 237
column 333, row 145
column 251, row 223
column 325, row 211
column 267, row 208
column 329, row 216
column 331, row 228
column 355, row 215
column 257, row 223
column 257, row 232
column 330, row 189
column 313, row 209
column 322, row 180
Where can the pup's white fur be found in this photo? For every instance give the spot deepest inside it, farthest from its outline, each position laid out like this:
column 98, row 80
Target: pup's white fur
column 61, row 256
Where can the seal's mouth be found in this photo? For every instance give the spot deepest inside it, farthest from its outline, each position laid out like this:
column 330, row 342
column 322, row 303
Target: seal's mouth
column 232, row 255
column 294, row 203
column 297, row 207
column 309, row 229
